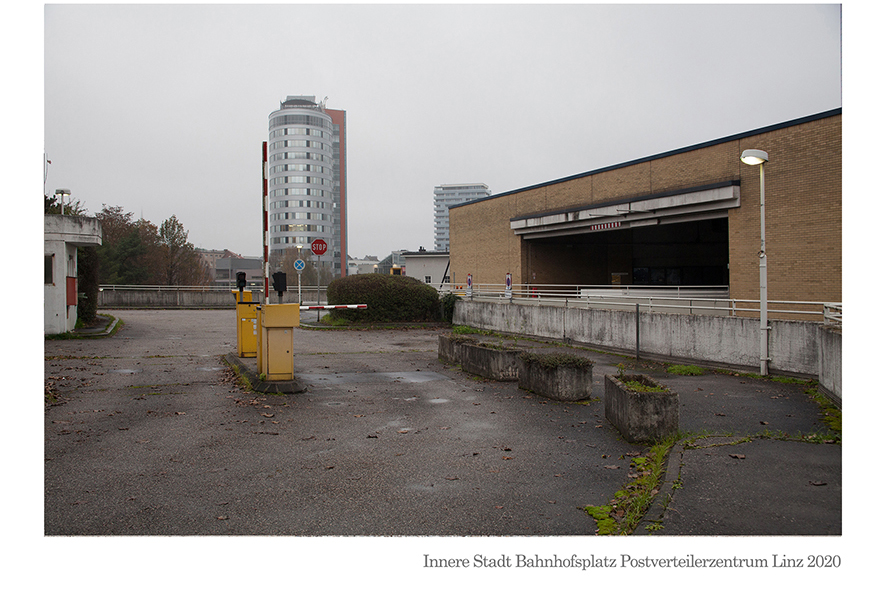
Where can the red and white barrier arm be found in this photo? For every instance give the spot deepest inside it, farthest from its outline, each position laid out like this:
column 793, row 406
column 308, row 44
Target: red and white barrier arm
column 332, row 307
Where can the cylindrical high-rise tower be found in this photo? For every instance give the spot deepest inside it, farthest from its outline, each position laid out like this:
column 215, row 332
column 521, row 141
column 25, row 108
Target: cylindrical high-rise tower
column 302, row 205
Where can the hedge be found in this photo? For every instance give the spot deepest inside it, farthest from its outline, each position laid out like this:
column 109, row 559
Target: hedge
column 389, row 298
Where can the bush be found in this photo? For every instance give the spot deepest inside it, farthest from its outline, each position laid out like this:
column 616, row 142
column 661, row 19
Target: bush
column 389, row 298
column 449, row 301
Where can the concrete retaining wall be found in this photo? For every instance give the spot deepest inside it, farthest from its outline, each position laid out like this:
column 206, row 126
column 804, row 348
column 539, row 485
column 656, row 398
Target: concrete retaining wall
column 830, row 350
column 114, row 298
column 795, row 346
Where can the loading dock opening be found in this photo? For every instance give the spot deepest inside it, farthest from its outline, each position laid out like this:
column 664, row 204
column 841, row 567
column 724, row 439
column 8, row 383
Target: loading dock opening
column 694, row 253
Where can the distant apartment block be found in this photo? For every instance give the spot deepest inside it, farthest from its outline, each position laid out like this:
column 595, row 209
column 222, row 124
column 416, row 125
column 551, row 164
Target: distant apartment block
column 446, row 196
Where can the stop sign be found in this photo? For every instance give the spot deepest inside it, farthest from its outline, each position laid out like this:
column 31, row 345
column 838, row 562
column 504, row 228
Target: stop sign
column 318, row 246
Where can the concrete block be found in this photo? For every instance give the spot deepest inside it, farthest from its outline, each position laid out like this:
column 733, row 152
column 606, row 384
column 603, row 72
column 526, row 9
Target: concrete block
column 563, row 382
column 485, row 360
column 641, row 416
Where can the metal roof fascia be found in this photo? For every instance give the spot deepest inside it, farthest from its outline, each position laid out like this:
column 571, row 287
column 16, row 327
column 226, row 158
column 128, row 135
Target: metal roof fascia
column 633, row 199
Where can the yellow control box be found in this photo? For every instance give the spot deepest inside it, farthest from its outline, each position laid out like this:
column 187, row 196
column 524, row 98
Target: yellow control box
column 247, row 330
column 277, row 323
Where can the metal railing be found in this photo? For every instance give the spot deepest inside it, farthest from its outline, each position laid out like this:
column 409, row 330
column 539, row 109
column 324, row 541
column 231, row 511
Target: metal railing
column 711, row 300
column 833, row 313
column 159, row 288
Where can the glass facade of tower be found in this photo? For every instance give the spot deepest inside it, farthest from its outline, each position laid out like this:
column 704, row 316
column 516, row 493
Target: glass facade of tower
column 445, row 196
column 305, row 179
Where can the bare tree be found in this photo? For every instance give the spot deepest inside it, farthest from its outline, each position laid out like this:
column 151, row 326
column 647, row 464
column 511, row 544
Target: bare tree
column 183, row 265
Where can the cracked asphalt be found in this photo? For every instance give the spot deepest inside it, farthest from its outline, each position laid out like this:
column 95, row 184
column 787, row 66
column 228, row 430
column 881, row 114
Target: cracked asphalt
column 153, row 436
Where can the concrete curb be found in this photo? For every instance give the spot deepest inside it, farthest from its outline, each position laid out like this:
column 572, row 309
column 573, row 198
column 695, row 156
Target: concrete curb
column 105, row 331
column 658, row 511
column 247, row 369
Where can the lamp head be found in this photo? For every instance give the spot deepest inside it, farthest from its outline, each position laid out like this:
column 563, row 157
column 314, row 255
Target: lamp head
column 754, row 157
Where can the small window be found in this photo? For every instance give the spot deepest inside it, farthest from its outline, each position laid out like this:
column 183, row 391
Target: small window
column 47, row 268
column 427, row 279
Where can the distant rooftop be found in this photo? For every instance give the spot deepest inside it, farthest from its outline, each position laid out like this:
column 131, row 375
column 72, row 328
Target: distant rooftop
column 301, row 101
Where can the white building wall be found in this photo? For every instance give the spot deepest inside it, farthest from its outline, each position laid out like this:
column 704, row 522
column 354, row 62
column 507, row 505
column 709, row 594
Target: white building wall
column 62, row 235
column 427, row 265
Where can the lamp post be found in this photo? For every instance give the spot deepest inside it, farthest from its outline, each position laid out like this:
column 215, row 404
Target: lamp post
column 753, row 157
column 61, row 193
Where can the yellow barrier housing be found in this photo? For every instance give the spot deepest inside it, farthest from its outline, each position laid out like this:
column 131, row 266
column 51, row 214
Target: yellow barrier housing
column 247, row 330
column 247, row 325
column 276, row 324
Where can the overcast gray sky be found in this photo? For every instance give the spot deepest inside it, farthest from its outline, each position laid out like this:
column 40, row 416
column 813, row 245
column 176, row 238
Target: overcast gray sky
column 162, row 109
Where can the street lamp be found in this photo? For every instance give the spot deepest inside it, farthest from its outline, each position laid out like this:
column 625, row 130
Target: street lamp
column 753, row 157
column 61, row 193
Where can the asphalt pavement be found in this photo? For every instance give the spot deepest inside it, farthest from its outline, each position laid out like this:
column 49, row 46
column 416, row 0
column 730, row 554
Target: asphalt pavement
column 151, row 434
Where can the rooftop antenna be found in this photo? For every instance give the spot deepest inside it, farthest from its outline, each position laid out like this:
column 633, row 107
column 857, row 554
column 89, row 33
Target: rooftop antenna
column 323, row 103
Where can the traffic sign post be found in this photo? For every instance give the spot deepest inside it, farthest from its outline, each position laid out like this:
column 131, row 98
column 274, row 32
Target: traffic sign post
column 318, row 247
column 299, row 267
column 508, row 291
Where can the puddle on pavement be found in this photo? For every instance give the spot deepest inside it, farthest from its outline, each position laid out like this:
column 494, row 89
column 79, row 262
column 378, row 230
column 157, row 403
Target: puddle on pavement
column 375, row 377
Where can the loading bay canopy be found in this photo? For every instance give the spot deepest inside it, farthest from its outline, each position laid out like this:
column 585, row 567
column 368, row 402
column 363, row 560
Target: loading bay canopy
column 704, row 202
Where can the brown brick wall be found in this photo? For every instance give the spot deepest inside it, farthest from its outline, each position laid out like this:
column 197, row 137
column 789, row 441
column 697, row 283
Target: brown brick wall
column 804, row 218
column 803, row 212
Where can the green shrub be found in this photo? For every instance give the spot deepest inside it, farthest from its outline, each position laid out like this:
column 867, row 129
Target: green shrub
column 388, row 298
column 449, row 301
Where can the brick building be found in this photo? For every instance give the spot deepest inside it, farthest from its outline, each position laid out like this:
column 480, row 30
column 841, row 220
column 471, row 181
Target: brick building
column 688, row 217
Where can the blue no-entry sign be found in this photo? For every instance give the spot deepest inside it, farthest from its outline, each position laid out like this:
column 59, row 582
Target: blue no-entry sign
column 299, row 265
